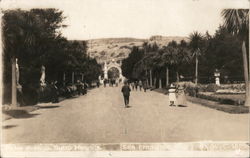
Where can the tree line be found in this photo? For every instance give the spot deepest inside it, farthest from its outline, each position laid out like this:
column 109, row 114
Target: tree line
column 198, row 58
column 177, row 61
column 34, row 38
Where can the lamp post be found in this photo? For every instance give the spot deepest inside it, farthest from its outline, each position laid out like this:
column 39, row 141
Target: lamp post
column 217, row 77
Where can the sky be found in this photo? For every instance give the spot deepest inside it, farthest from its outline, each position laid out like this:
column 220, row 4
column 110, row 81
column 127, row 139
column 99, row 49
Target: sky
column 91, row 19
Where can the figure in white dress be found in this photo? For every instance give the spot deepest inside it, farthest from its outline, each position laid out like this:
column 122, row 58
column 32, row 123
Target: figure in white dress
column 181, row 101
column 172, row 95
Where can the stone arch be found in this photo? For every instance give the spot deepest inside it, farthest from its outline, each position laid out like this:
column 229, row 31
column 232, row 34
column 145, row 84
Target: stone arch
column 118, row 68
column 110, row 65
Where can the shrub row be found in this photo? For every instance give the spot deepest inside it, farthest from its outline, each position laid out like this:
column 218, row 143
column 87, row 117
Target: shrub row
column 221, row 100
column 210, row 89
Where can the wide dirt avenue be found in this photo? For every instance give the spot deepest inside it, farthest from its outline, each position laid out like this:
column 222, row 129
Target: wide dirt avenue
column 100, row 117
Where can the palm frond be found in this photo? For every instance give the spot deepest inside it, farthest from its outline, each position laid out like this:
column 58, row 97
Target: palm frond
column 236, row 20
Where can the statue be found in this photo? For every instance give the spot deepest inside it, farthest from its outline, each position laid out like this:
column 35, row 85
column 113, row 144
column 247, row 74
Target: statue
column 17, row 72
column 42, row 79
column 105, row 70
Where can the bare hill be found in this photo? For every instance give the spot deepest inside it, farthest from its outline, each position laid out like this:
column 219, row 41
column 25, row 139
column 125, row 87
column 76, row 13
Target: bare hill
column 119, row 48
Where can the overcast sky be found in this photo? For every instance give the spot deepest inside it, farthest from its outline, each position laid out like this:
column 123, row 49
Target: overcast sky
column 88, row 19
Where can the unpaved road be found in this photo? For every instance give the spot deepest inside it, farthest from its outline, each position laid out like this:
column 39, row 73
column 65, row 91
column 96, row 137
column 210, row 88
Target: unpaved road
column 100, row 117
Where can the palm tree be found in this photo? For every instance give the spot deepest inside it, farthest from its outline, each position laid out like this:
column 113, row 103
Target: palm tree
column 150, row 48
column 15, row 36
column 237, row 22
column 173, row 56
column 165, row 62
column 196, row 40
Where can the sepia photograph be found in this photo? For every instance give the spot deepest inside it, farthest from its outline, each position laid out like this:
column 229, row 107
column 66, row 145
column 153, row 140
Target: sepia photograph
column 125, row 78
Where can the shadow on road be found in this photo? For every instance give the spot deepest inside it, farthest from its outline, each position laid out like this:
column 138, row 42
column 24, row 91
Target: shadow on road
column 183, row 106
column 9, row 126
column 19, row 114
column 74, row 97
column 48, row 106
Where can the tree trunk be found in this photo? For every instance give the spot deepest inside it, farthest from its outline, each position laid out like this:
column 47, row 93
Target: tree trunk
column 147, row 78
column 64, row 79
column 245, row 66
column 82, row 77
column 177, row 77
column 151, row 79
column 160, row 85
column 196, row 68
column 14, row 85
column 73, row 77
column 167, row 77
column 154, row 82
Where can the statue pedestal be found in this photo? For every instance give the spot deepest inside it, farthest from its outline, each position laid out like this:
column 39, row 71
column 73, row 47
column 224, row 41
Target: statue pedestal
column 217, row 81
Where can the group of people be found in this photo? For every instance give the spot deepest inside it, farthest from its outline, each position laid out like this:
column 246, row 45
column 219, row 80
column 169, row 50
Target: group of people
column 176, row 93
column 111, row 82
column 139, row 84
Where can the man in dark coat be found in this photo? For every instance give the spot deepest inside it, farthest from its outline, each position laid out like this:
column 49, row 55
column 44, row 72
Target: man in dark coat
column 126, row 93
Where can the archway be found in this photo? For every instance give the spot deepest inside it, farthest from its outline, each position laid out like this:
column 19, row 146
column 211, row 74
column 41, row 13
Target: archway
column 113, row 73
column 112, row 70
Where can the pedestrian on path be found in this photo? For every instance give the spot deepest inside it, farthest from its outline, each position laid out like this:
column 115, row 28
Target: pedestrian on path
column 172, row 95
column 116, row 82
column 145, row 86
column 126, row 93
column 105, row 82
column 133, row 85
column 181, row 99
column 136, row 85
column 140, row 84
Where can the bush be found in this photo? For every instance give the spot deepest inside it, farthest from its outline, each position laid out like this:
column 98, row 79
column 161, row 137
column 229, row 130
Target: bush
column 234, row 87
column 212, row 88
column 30, row 95
column 191, row 88
column 208, row 92
column 218, row 98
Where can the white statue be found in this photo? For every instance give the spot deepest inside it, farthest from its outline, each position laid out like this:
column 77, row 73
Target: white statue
column 105, row 70
column 17, row 72
column 42, row 79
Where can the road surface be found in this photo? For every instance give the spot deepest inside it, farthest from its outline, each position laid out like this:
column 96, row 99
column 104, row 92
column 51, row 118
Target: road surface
column 100, row 117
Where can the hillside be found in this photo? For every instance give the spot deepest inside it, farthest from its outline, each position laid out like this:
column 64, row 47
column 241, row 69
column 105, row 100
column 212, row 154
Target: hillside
column 119, row 48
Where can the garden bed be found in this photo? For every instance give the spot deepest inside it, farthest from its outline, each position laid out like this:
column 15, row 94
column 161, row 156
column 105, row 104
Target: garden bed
column 216, row 101
column 232, row 99
column 218, row 106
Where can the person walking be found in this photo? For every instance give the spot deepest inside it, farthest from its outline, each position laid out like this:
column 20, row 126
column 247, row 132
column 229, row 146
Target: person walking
column 132, row 85
column 140, row 84
column 181, row 100
column 116, row 82
column 97, row 84
column 104, row 82
column 145, row 86
column 172, row 95
column 126, row 93
column 136, row 85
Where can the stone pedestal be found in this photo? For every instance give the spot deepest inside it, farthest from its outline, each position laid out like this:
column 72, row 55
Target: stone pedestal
column 217, row 81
